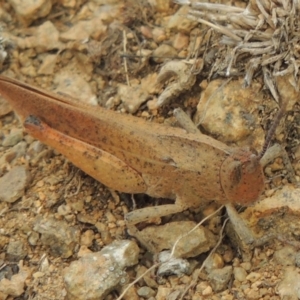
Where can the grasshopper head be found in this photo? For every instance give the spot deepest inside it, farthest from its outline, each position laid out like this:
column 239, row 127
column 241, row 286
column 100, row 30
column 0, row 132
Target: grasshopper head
column 242, row 177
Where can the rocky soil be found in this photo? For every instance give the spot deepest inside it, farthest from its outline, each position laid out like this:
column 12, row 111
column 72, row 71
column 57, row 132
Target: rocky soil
column 63, row 234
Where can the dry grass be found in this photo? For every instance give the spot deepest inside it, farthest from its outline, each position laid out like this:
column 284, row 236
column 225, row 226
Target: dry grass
column 262, row 38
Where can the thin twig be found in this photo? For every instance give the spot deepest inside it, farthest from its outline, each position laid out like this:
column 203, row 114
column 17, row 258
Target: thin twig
column 172, row 252
column 124, row 57
column 271, row 131
column 221, row 236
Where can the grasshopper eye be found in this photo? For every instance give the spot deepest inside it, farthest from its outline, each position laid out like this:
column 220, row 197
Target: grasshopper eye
column 242, row 177
column 235, row 172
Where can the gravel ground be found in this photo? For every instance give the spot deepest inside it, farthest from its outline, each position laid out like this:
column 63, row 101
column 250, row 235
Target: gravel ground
column 63, row 234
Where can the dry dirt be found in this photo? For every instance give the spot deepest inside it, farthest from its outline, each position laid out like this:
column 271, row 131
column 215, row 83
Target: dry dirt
column 110, row 53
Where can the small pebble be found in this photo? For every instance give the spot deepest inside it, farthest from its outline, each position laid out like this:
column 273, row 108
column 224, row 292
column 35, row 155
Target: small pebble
column 180, row 41
column 58, row 236
column 239, row 274
column 228, row 256
column 33, row 238
column 16, row 284
column 162, row 52
column 177, row 266
column 146, row 32
column 13, row 138
column 97, row 273
column 110, row 217
column 235, row 262
column 256, row 285
column 146, row 292
column 158, row 35
column 179, row 21
column 35, row 148
column 11, row 153
column 16, row 251
column 201, row 286
column 215, row 261
column 246, row 265
column 164, row 236
column 87, row 238
column 207, row 291
column 64, row 210
column 13, row 184
column 31, row 11
column 286, row 256
column 38, row 275
column 219, row 278
column 253, row 276
column 163, row 293
column 289, row 285
column 252, row 295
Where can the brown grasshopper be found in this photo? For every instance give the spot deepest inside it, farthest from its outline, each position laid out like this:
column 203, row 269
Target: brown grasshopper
column 131, row 155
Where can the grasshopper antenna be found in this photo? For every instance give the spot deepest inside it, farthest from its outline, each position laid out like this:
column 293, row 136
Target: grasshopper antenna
column 271, row 131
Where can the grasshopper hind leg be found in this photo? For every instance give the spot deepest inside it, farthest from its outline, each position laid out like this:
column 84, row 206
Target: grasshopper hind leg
column 99, row 164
